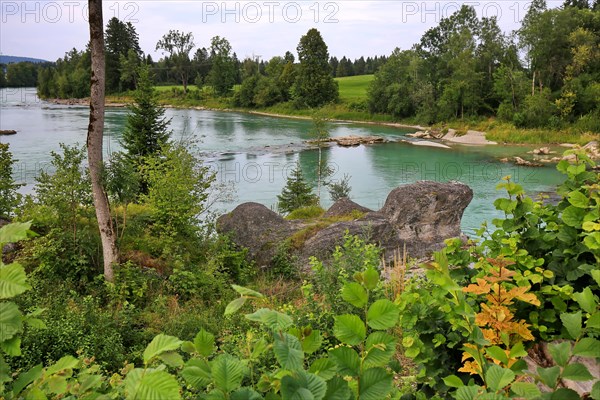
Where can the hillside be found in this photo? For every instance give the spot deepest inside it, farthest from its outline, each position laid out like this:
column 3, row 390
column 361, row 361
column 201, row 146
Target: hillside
column 16, row 59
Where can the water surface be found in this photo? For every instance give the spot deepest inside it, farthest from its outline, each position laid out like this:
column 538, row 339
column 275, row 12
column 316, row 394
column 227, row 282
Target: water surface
column 254, row 153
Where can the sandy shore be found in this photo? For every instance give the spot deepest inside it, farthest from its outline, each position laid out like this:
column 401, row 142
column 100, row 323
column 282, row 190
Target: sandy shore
column 471, row 137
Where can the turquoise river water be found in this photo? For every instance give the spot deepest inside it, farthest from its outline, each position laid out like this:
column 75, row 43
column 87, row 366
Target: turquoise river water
column 252, row 154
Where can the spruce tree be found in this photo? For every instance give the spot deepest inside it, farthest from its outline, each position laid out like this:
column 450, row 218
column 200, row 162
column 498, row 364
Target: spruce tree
column 146, row 130
column 296, row 193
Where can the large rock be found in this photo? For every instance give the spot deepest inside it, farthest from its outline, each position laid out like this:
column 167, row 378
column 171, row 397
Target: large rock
column 344, row 207
column 426, row 213
column 257, row 228
column 418, row 217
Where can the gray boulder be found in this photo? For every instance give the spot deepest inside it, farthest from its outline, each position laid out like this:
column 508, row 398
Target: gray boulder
column 257, row 228
column 418, row 217
column 344, row 207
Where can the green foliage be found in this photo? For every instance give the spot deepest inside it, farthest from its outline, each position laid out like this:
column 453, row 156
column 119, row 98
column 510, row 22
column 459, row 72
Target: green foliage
column 177, row 190
column 68, row 78
column 9, row 198
column 540, row 248
column 314, row 85
column 340, row 189
column 296, row 193
column 222, row 73
column 146, row 130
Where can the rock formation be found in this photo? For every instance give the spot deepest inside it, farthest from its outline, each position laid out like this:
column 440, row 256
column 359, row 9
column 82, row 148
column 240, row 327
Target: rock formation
column 419, row 216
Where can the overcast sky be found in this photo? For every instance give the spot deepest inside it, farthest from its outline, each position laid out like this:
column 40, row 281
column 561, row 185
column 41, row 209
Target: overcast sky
column 47, row 29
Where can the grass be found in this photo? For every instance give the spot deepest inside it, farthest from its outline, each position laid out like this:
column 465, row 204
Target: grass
column 354, row 88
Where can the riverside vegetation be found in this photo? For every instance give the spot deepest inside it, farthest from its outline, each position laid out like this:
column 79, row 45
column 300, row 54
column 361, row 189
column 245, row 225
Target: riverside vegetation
column 169, row 326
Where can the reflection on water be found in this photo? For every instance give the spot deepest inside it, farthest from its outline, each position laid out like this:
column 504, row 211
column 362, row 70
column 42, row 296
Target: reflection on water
column 256, row 153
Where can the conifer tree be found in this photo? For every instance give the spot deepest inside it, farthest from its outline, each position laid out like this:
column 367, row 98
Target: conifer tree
column 296, row 193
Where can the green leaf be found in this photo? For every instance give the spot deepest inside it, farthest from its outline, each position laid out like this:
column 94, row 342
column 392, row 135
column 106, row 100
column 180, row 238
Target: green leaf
column 11, row 322
column 337, row 389
column 577, row 372
column 197, row 373
column 349, row 329
column 592, row 241
column 572, row 323
column 498, row 378
column 160, row 344
column 172, row 359
column 525, row 390
column 593, row 321
column 453, row 381
column 151, row 385
column 64, row 363
column 274, row 320
column 549, row 376
column 247, row 292
column 235, row 305
column 303, row 386
column 565, row 394
column 204, row 342
column 89, row 383
column 13, row 280
column 371, row 278
column 355, row 294
column 467, row 392
column 346, row 359
column 12, row 347
column 578, row 199
column 288, row 351
column 188, row 347
column 380, row 347
column 259, row 348
column 383, row 314
column 587, row 347
column 498, row 354
column 595, row 393
column 596, row 275
column 560, row 352
column 518, row 350
column 323, row 367
column 14, row 232
column 245, row 393
column 586, row 300
column 26, row 378
column 227, row 372
column 573, row 216
column 374, row 384
column 312, row 342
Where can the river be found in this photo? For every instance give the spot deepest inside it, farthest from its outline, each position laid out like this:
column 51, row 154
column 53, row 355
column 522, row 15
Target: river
column 253, row 153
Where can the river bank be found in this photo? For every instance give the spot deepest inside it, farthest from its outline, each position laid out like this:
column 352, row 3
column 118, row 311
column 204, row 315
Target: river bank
column 485, row 132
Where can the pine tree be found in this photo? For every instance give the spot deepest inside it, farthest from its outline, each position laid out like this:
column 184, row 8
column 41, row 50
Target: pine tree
column 296, row 193
column 146, row 130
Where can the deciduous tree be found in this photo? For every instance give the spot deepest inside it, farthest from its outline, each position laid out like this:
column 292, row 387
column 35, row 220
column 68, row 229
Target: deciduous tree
column 94, row 139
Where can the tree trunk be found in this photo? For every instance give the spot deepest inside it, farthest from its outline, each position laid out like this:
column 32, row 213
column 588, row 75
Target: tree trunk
column 94, row 139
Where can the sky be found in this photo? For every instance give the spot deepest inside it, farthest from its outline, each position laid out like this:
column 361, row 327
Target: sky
column 262, row 28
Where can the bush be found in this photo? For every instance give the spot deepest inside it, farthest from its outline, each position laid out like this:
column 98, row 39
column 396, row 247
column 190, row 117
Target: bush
column 296, row 193
column 9, row 198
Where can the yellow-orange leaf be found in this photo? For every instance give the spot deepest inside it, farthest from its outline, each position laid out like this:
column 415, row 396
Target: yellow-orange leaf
column 471, row 367
column 480, row 288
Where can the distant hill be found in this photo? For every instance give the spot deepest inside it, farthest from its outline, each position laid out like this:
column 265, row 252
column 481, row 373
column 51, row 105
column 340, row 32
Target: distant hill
column 15, row 59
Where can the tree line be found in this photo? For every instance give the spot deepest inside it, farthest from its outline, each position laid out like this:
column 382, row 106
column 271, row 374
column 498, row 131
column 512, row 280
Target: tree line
column 544, row 74
column 215, row 66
